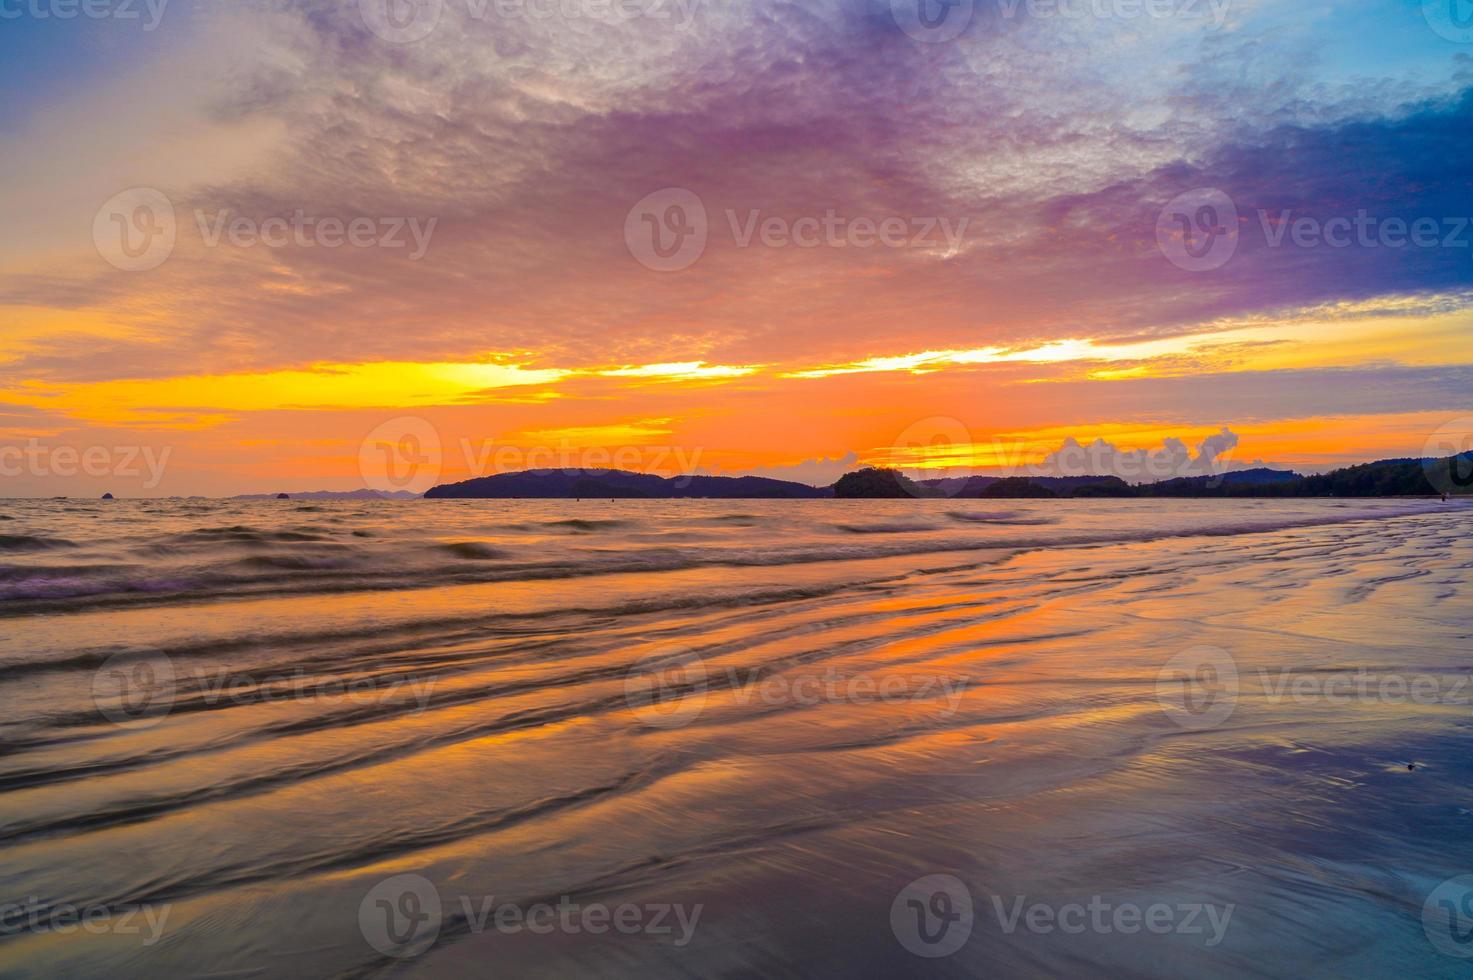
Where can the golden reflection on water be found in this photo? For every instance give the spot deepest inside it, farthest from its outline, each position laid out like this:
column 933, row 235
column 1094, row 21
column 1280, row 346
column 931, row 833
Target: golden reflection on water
column 787, row 745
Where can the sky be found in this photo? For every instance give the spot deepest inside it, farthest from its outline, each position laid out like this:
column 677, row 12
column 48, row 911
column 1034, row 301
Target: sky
column 262, row 245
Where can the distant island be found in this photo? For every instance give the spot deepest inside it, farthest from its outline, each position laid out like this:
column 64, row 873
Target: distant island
column 621, row 484
column 1386, row 478
column 877, row 483
column 332, row 495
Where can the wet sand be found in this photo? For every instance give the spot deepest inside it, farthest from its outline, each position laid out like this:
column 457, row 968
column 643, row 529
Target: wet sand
column 1118, row 712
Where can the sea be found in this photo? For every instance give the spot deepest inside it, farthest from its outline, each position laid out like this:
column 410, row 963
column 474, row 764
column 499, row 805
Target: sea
column 715, row 738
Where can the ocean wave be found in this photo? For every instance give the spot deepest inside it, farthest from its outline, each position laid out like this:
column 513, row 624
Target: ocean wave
column 31, row 542
column 885, row 528
column 296, row 563
column 1006, row 518
column 531, row 738
column 177, row 567
column 245, row 534
column 580, row 524
column 472, row 551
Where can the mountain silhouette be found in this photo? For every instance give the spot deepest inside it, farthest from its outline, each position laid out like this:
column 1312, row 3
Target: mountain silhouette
column 622, row 485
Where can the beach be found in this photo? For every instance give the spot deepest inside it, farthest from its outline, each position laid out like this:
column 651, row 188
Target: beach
column 1146, row 738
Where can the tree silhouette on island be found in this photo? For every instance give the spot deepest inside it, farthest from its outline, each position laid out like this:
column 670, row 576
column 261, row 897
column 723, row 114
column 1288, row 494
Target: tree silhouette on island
column 1386, row 478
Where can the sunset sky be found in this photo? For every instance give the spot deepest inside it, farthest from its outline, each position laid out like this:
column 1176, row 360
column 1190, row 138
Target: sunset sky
column 988, row 260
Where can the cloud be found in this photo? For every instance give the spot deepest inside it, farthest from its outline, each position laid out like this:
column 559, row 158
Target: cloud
column 529, row 139
column 1173, row 459
column 820, row 472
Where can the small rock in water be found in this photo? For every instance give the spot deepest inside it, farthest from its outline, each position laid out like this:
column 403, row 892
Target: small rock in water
column 107, row 496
